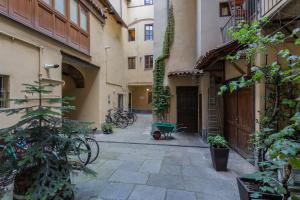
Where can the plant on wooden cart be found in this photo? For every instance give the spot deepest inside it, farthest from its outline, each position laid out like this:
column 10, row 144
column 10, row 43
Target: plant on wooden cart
column 36, row 147
column 161, row 93
column 276, row 144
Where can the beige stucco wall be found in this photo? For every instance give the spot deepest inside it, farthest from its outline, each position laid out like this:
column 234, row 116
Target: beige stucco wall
column 209, row 24
column 24, row 52
column 140, row 97
column 183, row 51
column 139, row 15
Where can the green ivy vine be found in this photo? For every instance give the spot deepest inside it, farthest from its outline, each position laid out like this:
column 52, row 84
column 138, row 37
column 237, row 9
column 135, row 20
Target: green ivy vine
column 161, row 93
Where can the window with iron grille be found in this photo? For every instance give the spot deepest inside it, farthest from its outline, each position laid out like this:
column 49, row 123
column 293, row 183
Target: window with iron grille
column 148, row 2
column 148, row 31
column 3, row 91
column 149, row 62
column 131, row 63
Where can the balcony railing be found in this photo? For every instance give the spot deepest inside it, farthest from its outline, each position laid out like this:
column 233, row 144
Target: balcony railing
column 247, row 11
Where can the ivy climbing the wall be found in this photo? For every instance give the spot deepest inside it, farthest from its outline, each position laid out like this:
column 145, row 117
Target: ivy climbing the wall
column 161, row 93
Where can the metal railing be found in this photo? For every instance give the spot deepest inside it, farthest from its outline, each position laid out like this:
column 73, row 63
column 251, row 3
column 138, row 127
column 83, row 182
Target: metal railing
column 248, row 11
column 267, row 6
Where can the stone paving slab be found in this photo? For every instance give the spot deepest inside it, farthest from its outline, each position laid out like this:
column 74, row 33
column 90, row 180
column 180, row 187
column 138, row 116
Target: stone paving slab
column 180, row 195
column 125, row 176
column 144, row 192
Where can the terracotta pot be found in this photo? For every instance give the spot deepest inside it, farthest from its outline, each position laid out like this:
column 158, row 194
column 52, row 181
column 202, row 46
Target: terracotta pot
column 219, row 158
column 156, row 135
column 244, row 186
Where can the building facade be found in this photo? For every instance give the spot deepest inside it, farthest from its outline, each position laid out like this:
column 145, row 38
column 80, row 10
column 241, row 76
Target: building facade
column 140, row 54
column 197, row 66
column 86, row 39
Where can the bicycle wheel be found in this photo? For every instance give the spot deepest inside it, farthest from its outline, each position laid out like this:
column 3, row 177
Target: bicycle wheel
column 121, row 122
column 95, row 149
column 82, row 150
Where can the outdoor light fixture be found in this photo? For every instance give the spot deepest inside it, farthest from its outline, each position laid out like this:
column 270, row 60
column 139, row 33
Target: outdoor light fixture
column 148, row 89
column 51, row 66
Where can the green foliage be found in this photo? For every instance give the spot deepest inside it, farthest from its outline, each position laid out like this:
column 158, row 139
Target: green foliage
column 161, row 93
column 217, row 141
column 107, row 127
column 278, row 137
column 49, row 139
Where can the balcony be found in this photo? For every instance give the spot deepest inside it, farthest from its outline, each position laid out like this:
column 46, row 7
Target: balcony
column 247, row 11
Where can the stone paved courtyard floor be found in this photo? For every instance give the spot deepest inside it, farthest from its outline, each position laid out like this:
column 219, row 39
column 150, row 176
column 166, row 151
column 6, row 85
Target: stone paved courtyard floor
column 151, row 172
column 133, row 166
column 140, row 132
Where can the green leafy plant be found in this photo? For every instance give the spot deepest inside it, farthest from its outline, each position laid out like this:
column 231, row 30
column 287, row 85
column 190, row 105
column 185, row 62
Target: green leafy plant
column 107, row 127
column 48, row 138
column 277, row 143
column 161, row 93
column 217, row 141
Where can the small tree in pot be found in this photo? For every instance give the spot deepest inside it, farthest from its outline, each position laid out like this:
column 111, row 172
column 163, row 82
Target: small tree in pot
column 219, row 152
column 107, row 128
column 36, row 147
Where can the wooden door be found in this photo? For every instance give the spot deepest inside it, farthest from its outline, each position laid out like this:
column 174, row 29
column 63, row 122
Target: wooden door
column 187, row 108
column 239, row 120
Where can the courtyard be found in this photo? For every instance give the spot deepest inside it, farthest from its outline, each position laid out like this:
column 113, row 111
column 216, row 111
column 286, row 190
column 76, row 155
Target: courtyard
column 157, row 171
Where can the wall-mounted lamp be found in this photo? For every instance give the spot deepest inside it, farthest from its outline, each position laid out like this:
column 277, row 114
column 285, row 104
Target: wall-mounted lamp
column 51, row 66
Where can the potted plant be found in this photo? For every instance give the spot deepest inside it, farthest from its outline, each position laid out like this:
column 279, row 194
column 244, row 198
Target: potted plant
column 277, row 143
column 219, row 151
column 107, row 128
column 35, row 149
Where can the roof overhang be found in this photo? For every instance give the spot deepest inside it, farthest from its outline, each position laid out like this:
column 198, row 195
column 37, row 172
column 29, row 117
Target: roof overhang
column 75, row 61
column 217, row 54
column 112, row 11
column 183, row 73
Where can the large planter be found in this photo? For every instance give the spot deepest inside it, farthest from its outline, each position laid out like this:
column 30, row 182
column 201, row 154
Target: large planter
column 248, row 187
column 219, row 157
column 25, row 179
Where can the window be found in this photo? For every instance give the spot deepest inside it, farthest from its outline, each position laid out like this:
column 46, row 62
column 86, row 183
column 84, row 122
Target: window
column 224, row 9
column 3, row 91
column 149, row 62
column 60, row 6
column 149, row 97
column 49, row 2
column 83, row 19
column 148, row 2
column 131, row 63
column 74, row 11
column 148, row 31
column 131, row 35
column 120, row 101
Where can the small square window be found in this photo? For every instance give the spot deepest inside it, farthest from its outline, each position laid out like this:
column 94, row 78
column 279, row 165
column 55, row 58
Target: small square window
column 149, row 62
column 131, row 35
column 131, row 62
column 224, row 9
column 148, row 2
column 148, row 32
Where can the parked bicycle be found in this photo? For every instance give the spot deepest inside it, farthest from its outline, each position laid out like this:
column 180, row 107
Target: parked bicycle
column 116, row 118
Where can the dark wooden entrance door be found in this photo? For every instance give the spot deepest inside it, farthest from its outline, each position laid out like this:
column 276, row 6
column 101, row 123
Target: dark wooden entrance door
column 187, row 108
column 239, row 120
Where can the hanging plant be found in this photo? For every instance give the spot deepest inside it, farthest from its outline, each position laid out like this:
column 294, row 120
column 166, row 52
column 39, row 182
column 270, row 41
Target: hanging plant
column 161, row 93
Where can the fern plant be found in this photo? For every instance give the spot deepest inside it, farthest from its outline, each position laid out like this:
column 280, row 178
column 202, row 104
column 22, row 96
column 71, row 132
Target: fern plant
column 48, row 137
